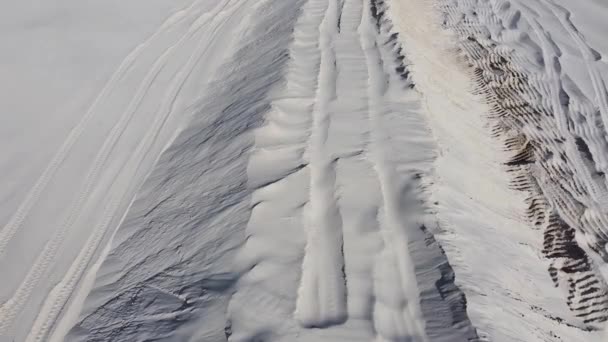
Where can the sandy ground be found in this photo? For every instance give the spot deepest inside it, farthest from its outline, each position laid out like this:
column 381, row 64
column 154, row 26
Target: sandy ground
column 357, row 170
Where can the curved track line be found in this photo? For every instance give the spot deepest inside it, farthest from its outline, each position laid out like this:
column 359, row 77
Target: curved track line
column 16, row 221
column 9, row 309
column 61, row 293
column 561, row 117
column 561, row 195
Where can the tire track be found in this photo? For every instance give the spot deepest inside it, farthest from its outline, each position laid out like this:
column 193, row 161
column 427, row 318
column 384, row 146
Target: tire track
column 583, row 163
column 589, row 56
column 531, row 119
column 596, row 159
column 278, row 174
column 401, row 319
column 16, row 221
column 55, row 302
column 359, row 280
column 561, row 116
column 321, row 298
column 357, row 188
column 10, row 308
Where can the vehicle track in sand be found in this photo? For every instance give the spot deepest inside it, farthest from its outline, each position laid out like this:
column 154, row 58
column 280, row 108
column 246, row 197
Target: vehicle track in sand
column 58, row 297
column 335, row 172
column 550, row 128
column 16, row 221
column 10, row 308
column 322, row 294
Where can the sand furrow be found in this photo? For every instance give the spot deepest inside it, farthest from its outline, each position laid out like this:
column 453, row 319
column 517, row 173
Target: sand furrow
column 279, row 172
column 60, row 294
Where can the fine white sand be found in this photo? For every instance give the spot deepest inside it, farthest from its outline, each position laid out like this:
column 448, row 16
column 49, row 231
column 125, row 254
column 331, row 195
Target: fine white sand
column 349, row 170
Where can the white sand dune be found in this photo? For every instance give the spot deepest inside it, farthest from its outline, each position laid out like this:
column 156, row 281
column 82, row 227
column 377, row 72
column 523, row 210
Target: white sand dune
column 305, row 170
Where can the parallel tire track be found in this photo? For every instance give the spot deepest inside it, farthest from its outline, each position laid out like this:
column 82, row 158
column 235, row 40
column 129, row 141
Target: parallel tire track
column 16, row 221
column 10, row 308
column 61, row 293
column 589, row 55
column 322, row 294
column 405, row 320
